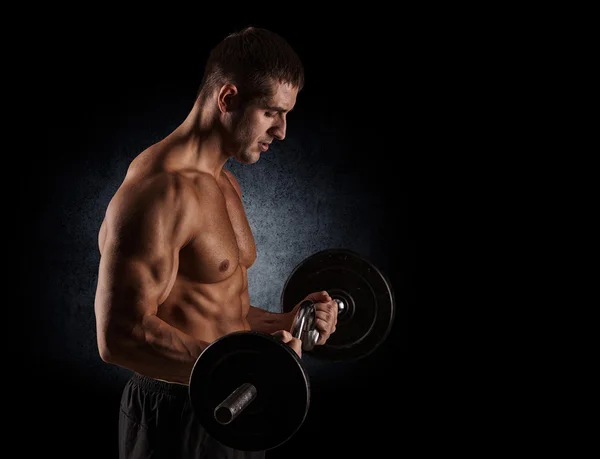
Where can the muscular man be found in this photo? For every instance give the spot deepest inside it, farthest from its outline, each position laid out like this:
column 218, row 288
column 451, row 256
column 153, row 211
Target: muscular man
column 176, row 247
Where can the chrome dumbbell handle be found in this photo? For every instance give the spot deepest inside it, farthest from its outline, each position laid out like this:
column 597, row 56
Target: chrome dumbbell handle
column 304, row 325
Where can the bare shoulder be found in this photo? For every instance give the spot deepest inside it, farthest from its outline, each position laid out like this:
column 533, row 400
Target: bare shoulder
column 233, row 181
column 151, row 204
column 157, row 191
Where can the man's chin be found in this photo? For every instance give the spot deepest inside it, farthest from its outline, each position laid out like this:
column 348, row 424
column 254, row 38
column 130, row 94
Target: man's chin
column 249, row 158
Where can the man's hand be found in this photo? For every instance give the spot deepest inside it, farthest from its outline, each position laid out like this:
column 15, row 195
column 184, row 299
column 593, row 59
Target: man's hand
column 286, row 337
column 326, row 311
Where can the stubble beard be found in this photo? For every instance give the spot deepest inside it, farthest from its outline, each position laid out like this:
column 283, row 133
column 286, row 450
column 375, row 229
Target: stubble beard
column 248, row 153
column 247, row 157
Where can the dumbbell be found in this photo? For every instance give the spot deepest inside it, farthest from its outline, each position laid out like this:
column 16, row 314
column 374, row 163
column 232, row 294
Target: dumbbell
column 366, row 302
column 251, row 391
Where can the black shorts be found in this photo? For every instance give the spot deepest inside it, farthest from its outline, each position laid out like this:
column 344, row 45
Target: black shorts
column 156, row 421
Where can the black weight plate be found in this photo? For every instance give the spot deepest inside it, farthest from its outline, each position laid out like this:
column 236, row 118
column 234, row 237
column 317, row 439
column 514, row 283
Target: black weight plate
column 368, row 298
column 281, row 381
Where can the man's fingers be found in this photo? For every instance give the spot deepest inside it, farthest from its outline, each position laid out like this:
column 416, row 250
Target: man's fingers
column 325, row 315
column 330, row 307
column 296, row 345
column 326, row 320
column 317, row 297
column 324, row 327
column 327, row 312
column 286, row 337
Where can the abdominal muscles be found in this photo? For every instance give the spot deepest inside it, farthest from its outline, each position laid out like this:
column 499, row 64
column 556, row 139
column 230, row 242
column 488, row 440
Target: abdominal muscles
column 208, row 311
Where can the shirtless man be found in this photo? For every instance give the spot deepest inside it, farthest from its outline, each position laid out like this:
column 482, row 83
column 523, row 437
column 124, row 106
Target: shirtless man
column 176, row 247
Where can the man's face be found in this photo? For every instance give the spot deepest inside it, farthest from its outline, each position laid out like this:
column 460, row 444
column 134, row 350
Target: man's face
column 260, row 122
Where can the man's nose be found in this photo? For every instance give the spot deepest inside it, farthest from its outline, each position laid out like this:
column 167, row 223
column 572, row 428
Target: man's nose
column 278, row 131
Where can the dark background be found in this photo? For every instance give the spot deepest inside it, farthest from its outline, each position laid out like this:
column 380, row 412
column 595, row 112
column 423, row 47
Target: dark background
column 340, row 179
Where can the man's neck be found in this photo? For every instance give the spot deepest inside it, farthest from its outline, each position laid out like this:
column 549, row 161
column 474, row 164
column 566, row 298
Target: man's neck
column 199, row 142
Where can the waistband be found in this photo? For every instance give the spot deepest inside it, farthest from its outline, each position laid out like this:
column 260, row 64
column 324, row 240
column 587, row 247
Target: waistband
column 155, row 385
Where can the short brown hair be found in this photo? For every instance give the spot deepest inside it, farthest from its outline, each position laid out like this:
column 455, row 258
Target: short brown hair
column 252, row 59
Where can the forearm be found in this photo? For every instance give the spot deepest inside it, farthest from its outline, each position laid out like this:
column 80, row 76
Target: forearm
column 153, row 348
column 269, row 322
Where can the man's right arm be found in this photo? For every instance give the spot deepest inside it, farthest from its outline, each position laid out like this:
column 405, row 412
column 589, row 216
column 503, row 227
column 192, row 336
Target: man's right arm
column 146, row 225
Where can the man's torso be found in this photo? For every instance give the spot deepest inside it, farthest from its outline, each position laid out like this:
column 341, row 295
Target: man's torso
column 209, row 297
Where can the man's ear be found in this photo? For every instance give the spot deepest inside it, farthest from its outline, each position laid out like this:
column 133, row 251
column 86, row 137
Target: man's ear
column 228, row 98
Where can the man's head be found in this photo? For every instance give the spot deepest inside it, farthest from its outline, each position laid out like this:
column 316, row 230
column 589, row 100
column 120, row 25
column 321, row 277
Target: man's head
column 255, row 77
column 252, row 59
